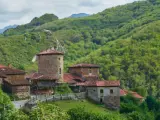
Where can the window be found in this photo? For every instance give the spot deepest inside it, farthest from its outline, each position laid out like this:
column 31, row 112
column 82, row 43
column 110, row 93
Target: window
column 101, row 90
column 60, row 71
column 90, row 70
column 111, row 91
column 59, row 59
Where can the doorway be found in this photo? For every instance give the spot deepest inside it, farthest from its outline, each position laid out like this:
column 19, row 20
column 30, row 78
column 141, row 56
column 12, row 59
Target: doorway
column 101, row 100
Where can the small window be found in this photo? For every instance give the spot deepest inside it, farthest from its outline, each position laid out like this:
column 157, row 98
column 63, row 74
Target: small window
column 101, row 90
column 111, row 91
column 59, row 59
column 60, row 71
column 90, row 70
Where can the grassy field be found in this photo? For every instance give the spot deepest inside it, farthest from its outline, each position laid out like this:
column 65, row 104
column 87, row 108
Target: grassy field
column 89, row 106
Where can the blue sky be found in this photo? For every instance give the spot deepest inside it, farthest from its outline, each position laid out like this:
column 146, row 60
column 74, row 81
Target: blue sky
column 23, row 11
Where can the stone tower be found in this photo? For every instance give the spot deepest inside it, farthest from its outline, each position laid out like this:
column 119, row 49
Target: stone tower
column 50, row 62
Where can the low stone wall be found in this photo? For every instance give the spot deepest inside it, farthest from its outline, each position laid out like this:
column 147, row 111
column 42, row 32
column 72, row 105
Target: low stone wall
column 50, row 98
column 22, row 95
column 112, row 102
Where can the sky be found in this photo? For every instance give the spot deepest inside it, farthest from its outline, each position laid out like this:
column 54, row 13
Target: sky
column 23, row 11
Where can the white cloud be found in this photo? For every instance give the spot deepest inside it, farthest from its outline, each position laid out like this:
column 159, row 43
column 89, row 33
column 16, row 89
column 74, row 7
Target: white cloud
column 23, row 11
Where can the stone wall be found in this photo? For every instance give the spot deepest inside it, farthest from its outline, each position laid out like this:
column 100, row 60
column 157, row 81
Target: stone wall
column 1, row 81
column 15, row 77
column 21, row 88
column 106, row 91
column 112, row 102
column 21, row 91
column 85, row 72
column 22, row 94
column 51, row 65
column 92, row 93
column 77, row 71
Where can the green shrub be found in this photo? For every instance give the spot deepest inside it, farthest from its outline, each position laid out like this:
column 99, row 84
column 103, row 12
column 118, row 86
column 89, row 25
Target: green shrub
column 136, row 116
column 158, row 116
column 128, row 108
column 81, row 114
column 48, row 112
column 62, row 89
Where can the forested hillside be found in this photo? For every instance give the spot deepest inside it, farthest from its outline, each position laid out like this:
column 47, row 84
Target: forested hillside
column 123, row 40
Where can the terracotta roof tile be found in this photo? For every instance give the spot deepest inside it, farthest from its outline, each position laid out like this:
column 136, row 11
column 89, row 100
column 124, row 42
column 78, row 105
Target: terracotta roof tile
column 50, row 52
column 10, row 71
column 2, row 66
column 103, row 83
column 70, row 78
column 123, row 92
column 134, row 94
column 85, row 65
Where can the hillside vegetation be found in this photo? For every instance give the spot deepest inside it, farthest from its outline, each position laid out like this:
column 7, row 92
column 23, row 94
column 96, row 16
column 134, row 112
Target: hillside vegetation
column 123, row 40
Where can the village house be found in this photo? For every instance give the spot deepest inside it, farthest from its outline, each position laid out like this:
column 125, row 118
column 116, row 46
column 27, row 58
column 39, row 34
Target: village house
column 50, row 72
column 107, row 92
column 85, row 71
column 85, row 77
column 2, row 76
column 81, row 78
column 13, row 81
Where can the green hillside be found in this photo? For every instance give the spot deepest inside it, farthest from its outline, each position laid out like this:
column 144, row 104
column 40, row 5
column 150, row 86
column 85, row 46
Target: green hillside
column 123, row 40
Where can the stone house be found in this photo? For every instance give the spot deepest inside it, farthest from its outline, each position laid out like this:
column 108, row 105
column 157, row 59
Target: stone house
column 50, row 62
column 14, row 82
column 50, row 71
column 2, row 77
column 107, row 92
column 85, row 71
column 85, row 78
column 73, row 81
column 81, row 78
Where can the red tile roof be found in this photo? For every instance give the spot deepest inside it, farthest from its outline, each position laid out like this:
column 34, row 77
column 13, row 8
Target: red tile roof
column 10, row 71
column 2, row 66
column 84, row 65
column 134, row 94
column 50, row 52
column 38, row 76
column 103, row 83
column 123, row 92
column 70, row 78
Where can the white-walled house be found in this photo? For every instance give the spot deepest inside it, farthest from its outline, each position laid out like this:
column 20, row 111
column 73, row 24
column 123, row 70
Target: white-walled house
column 107, row 92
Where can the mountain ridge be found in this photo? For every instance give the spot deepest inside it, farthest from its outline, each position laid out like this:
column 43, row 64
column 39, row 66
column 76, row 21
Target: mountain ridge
column 7, row 27
column 123, row 40
column 79, row 15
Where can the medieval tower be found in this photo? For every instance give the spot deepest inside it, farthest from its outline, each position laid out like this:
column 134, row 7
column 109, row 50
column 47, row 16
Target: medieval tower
column 50, row 62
